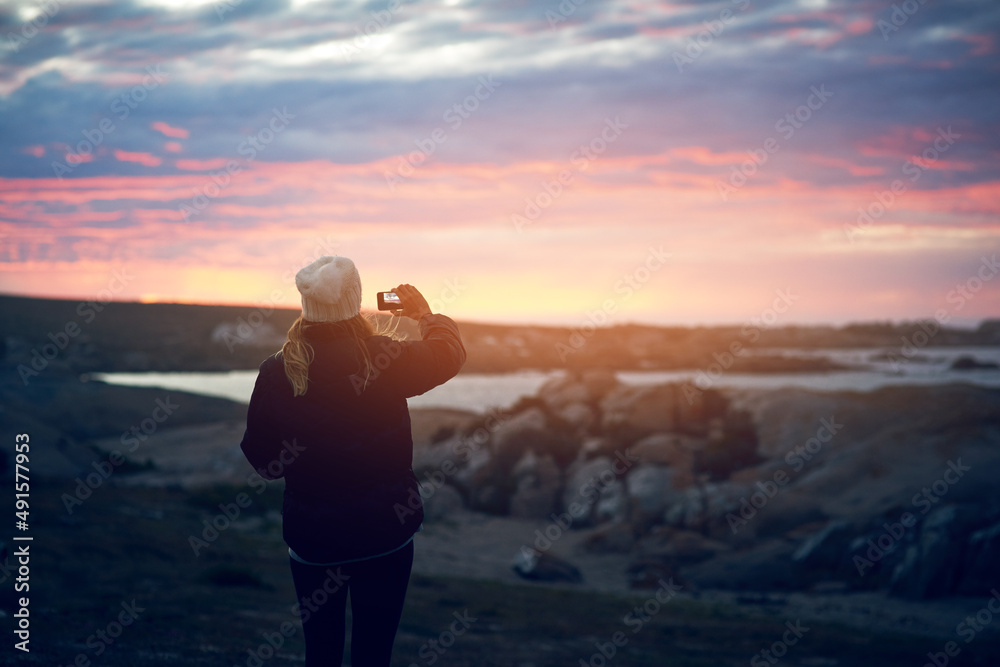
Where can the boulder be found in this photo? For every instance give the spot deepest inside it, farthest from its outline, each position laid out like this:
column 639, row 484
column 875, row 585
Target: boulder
column 434, row 456
column 824, row 550
column 479, row 482
column 593, row 492
column 587, row 387
column 598, row 382
column 680, row 548
column 612, row 504
column 649, row 489
column 705, row 508
column 542, row 566
column 560, row 392
column 931, row 566
column 441, row 501
column 967, row 363
column 784, row 419
column 595, row 446
column 982, row 554
column 670, row 449
column 537, row 481
column 580, row 415
column 636, row 411
column 513, row 437
column 476, row 471
column 615, row 538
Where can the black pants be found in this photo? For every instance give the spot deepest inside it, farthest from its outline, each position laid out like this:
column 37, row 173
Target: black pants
column 377, row 587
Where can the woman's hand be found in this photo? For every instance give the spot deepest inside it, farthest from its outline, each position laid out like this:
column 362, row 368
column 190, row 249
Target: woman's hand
column 414, row 304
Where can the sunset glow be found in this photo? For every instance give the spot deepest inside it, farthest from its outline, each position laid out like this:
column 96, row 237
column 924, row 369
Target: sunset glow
column 514, row 166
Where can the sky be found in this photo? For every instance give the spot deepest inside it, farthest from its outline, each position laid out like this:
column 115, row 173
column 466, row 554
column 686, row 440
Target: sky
column 579, row 163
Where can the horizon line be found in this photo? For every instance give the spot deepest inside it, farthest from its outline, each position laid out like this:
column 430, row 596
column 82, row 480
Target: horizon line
column 975, row 324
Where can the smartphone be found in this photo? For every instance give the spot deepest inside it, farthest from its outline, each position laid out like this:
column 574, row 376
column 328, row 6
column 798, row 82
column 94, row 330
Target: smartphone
column 389, row 301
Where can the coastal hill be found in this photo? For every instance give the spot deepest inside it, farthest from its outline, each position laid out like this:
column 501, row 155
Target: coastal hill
column 90, row 336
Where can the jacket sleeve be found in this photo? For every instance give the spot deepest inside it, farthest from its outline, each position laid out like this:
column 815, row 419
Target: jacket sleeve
column 261, row 443
column 418, row 366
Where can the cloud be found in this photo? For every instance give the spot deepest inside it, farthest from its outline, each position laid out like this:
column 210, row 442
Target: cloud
column 167, row 130
column 375, row 89
column 141, row 158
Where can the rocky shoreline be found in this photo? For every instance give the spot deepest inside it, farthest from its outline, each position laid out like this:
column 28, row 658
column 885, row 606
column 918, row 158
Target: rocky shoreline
column 782, row 502
column 752, row 490
column 782, row 490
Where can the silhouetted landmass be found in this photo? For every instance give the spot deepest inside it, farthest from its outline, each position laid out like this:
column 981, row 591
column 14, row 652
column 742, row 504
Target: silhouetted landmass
column 120, row 336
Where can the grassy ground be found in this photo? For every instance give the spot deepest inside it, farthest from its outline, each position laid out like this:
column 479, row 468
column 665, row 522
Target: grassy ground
column 217, row 608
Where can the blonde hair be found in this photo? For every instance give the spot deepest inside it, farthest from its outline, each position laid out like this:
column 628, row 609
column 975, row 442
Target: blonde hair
column 298, row 354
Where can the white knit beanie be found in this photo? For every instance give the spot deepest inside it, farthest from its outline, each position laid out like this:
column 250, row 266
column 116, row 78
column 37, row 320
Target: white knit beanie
column 330, row 288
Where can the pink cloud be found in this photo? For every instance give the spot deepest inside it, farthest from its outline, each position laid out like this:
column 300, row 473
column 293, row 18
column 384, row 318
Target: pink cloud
column 37, row 151
column 984, row 44
column 705, row 156
column 859, row 26
column 201, row 165
column 779, row 220
column 146, row 159
column 846, row 165
column 173, row 147
column 172, row 132
column 77, row 158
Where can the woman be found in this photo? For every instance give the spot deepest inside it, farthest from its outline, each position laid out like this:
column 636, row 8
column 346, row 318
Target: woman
column 329, row 414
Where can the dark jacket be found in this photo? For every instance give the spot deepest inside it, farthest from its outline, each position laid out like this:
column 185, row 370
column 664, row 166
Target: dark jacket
column 345, row 448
